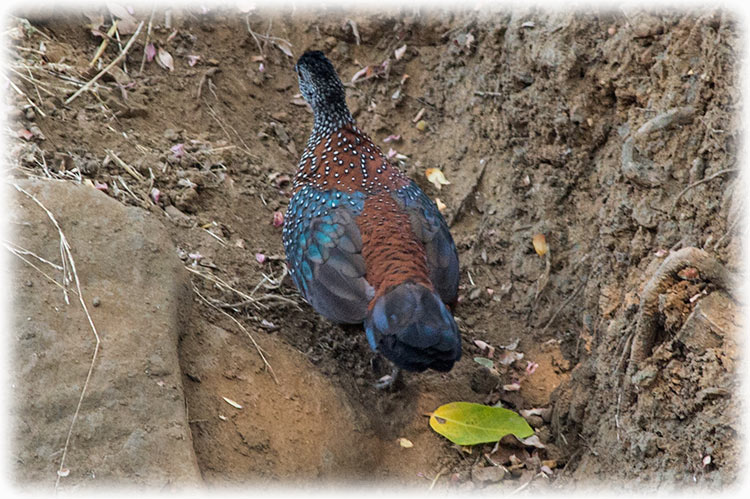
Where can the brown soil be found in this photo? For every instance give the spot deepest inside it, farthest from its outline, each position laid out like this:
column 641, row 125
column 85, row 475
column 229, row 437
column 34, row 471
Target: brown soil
column 527, row 113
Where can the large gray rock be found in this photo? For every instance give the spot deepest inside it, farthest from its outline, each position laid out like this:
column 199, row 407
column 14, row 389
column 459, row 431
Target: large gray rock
column 132, row 427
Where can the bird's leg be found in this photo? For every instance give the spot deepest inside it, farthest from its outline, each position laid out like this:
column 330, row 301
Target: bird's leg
column 388, row 381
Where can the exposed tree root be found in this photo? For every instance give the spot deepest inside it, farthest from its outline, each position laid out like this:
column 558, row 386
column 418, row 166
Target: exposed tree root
column 708, row 268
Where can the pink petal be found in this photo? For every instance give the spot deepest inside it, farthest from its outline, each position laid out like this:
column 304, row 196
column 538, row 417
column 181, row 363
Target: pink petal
column 178, row 150
column 392, row 138
column 260, row 257
column 25, row 134
column 155, row 195
column 360, row 73
column 193, row 60
column 150, row 52
column 531, row 367
column 278, row 219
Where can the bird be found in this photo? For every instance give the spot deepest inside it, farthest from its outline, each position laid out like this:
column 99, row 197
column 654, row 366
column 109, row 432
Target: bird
column 364, row 244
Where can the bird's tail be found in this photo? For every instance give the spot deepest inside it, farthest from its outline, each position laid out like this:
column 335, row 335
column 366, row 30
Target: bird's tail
column 412, row 327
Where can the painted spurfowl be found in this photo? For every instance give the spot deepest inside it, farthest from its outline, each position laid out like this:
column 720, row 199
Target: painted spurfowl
column 363, row 243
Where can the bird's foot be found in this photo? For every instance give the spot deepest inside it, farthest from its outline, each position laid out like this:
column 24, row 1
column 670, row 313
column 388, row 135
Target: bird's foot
column 388, row 381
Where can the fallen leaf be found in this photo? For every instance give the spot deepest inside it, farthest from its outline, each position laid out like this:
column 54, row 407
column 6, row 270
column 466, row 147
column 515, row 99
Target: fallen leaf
column 512, row 387
column 507, row 357
column 164, row 59
column 118, row 10
column 421, row 125
column 550, row 463
column 359, row 74
column 278, row 219
column 25, row 134
column 533, row 441
column 440, row 205
column 485, row 362
column 436, row 177
column 540, row 244
column 485, row 346
column 512, row 345
column 399, row 52
column 284, row 46
column 541, row 412
column 232, row 403
column 405, row 443
column 466, row 423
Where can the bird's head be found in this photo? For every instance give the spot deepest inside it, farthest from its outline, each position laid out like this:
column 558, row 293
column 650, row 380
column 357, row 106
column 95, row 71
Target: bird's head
column 318, row 81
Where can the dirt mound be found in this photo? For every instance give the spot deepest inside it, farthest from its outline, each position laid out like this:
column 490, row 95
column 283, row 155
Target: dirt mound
column 614, row 134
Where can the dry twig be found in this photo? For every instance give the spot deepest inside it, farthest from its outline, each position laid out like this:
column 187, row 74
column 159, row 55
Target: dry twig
column 108, row 67
column 699, row 182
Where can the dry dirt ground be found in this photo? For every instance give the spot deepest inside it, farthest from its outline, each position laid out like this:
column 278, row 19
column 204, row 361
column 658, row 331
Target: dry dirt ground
column 614, row 133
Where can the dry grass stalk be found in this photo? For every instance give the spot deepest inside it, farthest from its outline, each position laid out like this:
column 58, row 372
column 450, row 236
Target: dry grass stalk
column 239, row 324
column 108, row 67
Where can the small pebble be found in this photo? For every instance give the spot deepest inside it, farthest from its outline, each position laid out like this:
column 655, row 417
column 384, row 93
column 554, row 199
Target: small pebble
column 96, row 301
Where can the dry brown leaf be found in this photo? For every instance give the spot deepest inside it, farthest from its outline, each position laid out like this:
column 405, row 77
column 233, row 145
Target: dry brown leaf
column 164, row 59
column 507, row 357
column 540, row 244
column 440, row 205
column 284, row 46
column 436, row 177
column 405, row 443
column 118, row 10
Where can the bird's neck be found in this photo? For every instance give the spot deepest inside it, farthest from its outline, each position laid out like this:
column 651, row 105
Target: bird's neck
column 330, row 116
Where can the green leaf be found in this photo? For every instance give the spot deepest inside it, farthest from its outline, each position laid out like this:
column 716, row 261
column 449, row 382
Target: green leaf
column 466, row 423
column 484, row 361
